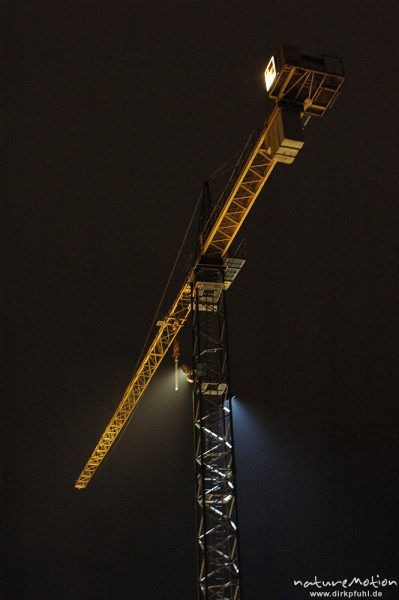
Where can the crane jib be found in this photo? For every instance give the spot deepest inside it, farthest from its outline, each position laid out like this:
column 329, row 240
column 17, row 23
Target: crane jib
column 302, row 88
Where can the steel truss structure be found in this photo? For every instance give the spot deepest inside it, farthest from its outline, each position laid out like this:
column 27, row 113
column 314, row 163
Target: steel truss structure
column 311, row 83
column 302, row 87
column 168, row 330
column 217, row 533
column 278, row 141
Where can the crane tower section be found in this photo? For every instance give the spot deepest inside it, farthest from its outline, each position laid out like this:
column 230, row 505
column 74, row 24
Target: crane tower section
column 280, row 141
column 217, row 532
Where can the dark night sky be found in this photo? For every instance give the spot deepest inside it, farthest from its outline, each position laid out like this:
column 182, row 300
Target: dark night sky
column 114, row 113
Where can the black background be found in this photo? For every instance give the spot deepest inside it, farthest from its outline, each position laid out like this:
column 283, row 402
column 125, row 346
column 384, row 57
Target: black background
column 114, row 113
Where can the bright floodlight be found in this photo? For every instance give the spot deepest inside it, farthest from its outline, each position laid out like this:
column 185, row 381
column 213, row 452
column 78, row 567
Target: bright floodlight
column 270, row 73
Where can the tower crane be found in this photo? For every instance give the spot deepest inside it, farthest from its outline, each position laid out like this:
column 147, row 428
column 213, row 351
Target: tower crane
column 302, row 87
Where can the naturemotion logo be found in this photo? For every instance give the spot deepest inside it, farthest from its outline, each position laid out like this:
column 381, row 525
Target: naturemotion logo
column 339, row 585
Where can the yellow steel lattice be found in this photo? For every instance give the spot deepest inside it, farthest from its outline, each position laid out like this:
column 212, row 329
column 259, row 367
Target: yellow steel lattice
column 247, row 187
column 238, row 203
column 167, row 332
column 243, row 194
column 232, row 214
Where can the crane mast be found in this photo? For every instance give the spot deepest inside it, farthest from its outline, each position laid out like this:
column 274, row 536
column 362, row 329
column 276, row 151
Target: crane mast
column 302, row 87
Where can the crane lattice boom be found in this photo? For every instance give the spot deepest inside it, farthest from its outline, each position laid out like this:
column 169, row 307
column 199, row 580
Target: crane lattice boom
column 302, row 89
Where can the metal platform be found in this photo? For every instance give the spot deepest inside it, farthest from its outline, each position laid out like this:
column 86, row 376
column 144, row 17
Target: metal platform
column 312, row 83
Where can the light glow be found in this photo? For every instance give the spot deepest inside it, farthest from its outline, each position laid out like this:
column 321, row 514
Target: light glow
column 176, row 354
column 270, row 73
column 176, row 375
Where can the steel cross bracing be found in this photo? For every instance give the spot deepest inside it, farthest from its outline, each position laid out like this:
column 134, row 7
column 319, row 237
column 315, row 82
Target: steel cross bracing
column 302, row 87
column 217, row 533
column 253, row 171
column 167, row 332
column 253, row 168
column 315, row 89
